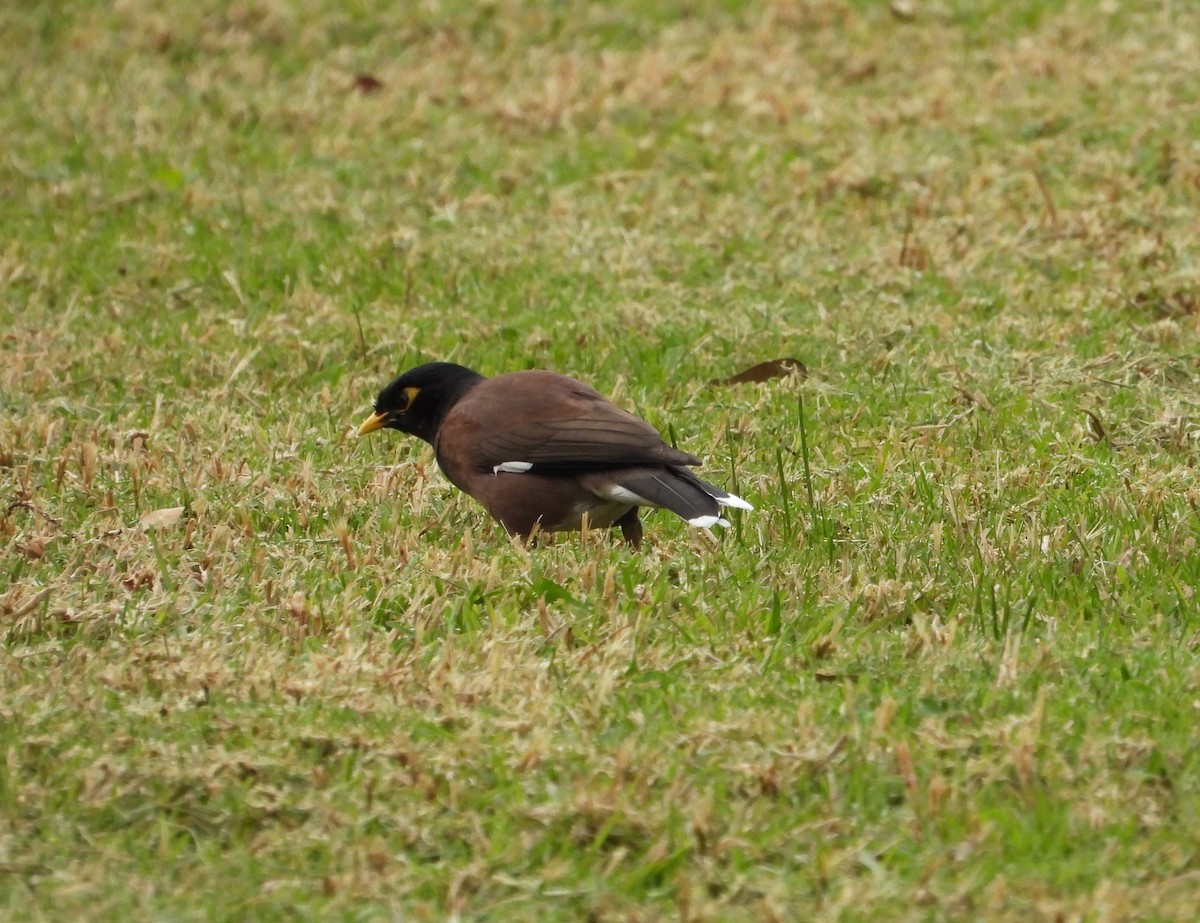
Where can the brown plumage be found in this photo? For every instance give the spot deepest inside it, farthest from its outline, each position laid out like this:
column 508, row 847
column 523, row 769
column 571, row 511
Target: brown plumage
column 540, row 450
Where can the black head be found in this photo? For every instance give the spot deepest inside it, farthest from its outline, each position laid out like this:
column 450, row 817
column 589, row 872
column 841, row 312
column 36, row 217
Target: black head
column 417, row 401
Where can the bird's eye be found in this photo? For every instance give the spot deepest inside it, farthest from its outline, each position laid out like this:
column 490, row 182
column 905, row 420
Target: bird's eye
column 410, row 395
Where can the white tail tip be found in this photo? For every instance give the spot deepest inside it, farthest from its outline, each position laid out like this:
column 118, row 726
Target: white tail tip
column 707, row 522
column 733, row 500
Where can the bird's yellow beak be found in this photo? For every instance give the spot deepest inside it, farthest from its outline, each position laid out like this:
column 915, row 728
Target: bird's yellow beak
column 373, row 422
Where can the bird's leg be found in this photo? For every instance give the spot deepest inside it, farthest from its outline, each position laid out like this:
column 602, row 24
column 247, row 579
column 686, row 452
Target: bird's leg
column 631, row 527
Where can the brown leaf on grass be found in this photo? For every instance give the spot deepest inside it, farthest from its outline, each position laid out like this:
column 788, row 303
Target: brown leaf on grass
column 141, row 579
column 1095, row 426
column 858, row 70
column 904, row 763
column 913, row 254
column 765, row 371
column 975, row 397
column 367, row 83
column 161, row 519
column 24, row 607
column 33, row 548
column 1176, row 303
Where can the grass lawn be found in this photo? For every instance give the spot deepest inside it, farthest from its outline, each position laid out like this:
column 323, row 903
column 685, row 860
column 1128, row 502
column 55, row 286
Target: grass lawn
column 254, row 668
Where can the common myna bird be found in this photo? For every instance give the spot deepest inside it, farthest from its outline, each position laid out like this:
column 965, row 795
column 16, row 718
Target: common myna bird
column 540, row 450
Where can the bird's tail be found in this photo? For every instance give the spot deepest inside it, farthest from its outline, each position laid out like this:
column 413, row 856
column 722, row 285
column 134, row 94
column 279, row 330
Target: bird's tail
column 673, row 488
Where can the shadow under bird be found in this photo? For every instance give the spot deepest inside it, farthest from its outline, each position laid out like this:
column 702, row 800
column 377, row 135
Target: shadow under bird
column 541, row 450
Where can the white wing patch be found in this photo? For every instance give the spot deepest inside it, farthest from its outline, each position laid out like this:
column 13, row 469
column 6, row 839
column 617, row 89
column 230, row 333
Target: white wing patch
column 623, row 495
column 512, row 467
column 707, row 522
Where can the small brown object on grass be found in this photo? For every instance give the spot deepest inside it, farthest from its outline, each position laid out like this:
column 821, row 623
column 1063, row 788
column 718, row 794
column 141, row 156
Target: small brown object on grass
column 367, row 83
column 765, row 371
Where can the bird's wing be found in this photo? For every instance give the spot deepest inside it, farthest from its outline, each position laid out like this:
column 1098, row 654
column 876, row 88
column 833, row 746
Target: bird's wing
column 553, row 424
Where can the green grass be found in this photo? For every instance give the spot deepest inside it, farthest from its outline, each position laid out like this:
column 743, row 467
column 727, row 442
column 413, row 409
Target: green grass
column 946, row 670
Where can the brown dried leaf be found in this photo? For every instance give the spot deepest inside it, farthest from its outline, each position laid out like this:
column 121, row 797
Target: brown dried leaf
column 904, row 763
column 1095, row 426
column 24, row 607
column 140, row 579
column 857, row 70
column 161, row 519
column 765, row 371
column 975, row 397
column 913, row 255
column 33, row 548
column 367, row 83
